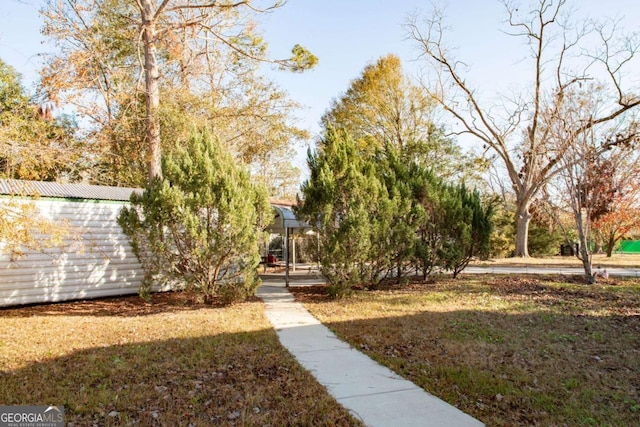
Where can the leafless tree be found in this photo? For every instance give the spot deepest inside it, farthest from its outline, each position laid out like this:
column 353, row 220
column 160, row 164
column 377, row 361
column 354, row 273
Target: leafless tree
column 563, row 59
column 585, row 184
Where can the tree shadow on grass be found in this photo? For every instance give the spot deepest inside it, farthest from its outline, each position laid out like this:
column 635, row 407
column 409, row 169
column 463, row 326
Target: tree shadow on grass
column 229, row 379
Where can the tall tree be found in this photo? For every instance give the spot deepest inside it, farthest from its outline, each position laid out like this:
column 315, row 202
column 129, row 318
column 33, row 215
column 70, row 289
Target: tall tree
column 564, row 56
column 585, row 182
column 153, row 50
column 33, row 143
column 396, row 239
column 384, row 106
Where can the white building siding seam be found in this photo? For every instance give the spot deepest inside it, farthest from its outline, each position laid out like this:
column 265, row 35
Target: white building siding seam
column 96, row 261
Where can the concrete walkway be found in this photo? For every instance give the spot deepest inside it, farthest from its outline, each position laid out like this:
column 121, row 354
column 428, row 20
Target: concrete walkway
column 371, row 392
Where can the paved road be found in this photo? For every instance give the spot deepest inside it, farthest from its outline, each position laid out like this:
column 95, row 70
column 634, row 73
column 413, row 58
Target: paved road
column 503, row 269
column 303, row 277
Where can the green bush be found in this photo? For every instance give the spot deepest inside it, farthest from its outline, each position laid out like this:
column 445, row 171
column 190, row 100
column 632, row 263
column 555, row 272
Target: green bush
column 503, row 233
column 377, row 213
column 199, row 226
column 544, row 240
column 466, row 228
column 348, row 202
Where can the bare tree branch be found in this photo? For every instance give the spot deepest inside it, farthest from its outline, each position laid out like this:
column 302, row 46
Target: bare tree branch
column 524, row 137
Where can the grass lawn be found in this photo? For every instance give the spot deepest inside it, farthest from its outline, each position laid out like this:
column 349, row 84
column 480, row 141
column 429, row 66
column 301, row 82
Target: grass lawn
column 171, row 363
column 507, row 350
column 599, row 260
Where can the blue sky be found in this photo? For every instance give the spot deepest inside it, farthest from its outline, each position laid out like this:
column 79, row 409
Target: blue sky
column 346, row 35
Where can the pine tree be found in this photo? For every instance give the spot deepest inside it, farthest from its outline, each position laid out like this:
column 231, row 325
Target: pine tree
column 466, row 228
column 398, row 235
column 350, row 206
column 200, row 224
column 427, row 216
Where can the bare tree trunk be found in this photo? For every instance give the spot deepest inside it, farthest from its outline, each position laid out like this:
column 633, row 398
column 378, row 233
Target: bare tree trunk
column 585, row 257
column 583, row 253
column 523, row 216
column 151, row 77
column 536, row 160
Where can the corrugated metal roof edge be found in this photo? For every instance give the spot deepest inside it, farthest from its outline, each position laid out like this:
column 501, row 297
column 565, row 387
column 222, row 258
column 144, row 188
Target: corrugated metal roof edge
column 82, row 191
column 65, row 191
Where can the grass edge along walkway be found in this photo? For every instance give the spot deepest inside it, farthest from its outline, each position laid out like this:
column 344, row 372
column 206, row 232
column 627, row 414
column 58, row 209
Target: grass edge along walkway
column 373, row 393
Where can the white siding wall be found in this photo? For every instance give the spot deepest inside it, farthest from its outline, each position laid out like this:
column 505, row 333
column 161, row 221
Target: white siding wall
column 105, row 267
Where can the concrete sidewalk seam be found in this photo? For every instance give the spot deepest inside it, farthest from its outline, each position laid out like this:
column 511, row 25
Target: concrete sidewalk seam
column 378, row 393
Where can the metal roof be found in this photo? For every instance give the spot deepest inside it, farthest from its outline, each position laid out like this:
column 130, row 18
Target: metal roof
column 283, row 213
column 285, row 218
column 65, row 191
